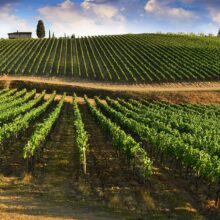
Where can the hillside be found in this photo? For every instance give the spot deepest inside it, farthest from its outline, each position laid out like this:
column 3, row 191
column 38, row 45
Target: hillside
column 144, row 159
column 144, row 58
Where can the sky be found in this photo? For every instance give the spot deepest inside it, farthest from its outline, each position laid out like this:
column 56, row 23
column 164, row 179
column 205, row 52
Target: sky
column 100, row 17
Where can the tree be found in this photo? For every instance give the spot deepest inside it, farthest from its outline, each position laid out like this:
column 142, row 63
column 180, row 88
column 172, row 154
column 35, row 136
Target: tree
column 40, row 29
column 53, row 35
column 49, row 34
column 218, row 33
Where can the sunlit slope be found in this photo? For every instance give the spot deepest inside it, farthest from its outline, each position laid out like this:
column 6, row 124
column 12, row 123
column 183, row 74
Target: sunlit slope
column 122, row 58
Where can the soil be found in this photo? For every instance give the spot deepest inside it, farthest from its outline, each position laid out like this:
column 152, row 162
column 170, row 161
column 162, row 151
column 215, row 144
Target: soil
column 56, row 190
column 110, row 190
column 182, row 91
column 200, row 93
column 161, row 87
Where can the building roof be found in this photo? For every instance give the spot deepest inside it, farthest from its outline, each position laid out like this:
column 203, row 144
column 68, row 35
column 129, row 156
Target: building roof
column 21, row 33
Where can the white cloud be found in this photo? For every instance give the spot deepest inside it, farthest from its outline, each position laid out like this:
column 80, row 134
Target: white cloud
column 215, row 14
column 163, row 10
column 84, row 19
column 10, row 22
column 101, row 10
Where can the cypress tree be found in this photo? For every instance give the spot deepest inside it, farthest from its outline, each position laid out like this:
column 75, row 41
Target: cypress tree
column 218, row 33
column 40, row 29
column 49, row 34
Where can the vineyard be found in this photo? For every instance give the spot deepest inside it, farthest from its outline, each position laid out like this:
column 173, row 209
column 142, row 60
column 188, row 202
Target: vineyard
column 143, row 58
column 135, row 135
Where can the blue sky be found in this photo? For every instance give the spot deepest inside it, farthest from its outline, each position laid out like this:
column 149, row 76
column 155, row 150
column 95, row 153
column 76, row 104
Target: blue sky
column 97, row 17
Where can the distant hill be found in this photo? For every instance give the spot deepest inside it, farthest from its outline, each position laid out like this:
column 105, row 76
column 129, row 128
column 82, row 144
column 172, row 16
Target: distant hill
column 143, row 58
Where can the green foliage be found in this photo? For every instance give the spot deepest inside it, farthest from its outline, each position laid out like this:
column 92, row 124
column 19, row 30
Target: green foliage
column 81, row 136
column 17, row 100
column 22, row 122
column 139, row 58
column 180, row 131
column 42, row 131
column 187, row 133
column 40, row 29
column 4, row 96
column 122, row 141
column 19, row 109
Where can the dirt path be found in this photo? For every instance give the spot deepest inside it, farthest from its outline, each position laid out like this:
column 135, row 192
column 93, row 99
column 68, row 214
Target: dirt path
column 139, row 88
column 203, row 93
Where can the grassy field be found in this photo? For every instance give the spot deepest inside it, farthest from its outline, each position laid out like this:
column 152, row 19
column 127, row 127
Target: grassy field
column 149, row 158
column 143, row 58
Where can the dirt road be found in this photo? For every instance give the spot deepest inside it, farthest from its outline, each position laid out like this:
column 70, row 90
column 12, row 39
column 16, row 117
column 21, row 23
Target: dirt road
column 142, row 88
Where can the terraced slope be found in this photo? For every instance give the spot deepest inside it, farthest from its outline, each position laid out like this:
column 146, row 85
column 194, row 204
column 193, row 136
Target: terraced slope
column 144, row 58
